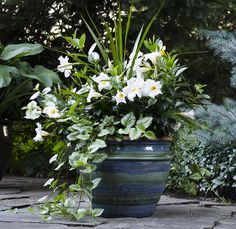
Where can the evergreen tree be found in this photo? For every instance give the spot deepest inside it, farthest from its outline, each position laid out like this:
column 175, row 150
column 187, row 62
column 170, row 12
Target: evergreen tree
column 220, row 119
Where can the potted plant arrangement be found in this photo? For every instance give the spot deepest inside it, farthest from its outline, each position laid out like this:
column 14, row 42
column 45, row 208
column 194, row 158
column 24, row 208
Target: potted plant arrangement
column 115, row 121
column 16, row 83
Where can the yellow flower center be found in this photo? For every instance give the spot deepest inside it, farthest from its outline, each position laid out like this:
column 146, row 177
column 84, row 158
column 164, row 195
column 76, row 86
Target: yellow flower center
column 121, row 95
column 162, row 52
column 153, row 88
column 53, row 111
column 134, row 89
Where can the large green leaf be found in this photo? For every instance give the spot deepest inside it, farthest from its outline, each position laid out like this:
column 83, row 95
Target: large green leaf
column 40, row 73
column 6, row 73
column 20, row 50
column 46, row 76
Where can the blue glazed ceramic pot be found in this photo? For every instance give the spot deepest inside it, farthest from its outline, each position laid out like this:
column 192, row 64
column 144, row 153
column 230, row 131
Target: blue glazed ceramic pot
column 133, row 177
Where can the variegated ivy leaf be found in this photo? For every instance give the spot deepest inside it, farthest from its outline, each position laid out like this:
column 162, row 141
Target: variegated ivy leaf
column 53, row 158
column 134, row 134
column 145, row 122
column 42, row 199
column 49, row 182
column 128, row 120
column 96, row 145
column 150, row 135
column 95, row 183
column 59, row 166
column 97, row 212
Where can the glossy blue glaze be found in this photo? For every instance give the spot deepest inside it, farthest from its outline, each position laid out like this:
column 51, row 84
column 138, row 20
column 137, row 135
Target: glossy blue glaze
column 133, row 178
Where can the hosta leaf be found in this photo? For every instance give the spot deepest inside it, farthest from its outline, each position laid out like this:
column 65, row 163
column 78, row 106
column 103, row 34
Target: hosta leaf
column 6, row 74
column 20, row 50
column 46, row 76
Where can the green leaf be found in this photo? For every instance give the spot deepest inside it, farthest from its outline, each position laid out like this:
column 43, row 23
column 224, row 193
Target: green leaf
column 127, row 28
column 145, row 121
column 53, row 158
column 128, row 120
column 139, row 42
column 6, row 74
column 99, row 157
column 124, row 131
column 89, row 169
column 80, row 213
column 40, row 73
column 112, row 45
column 97, row 144
column 48, row 182
column 97, row 212
column 95, row 183
column 59, row 166
column 196, row 176
column 20, row 50
column 134, row 134
column 150, row 135
column 46, row 76
column 74, row 188
column 99, row 44
column 82, row 41
column 107, row 131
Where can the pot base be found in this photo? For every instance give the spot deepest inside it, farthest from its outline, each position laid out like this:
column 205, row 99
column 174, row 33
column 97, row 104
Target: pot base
column 138, row 211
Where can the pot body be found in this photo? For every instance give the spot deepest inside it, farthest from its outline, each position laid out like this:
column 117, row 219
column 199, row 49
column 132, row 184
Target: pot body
column 133, row 178
column 5, row 147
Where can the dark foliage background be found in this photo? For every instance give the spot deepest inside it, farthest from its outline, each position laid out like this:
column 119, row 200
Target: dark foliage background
column 178, row 24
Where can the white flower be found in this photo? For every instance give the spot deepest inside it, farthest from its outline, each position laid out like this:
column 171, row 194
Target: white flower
column 120, row 97
column 93, row 57
column 46, row 90
column 92, row 94
column 51, row 110
column 39, row 133
column 35, row 95
column 64, row 66
column 151, row 88
column 153, row 56
column 134, row 88
column 33, row 111
column 189, row 114
column 103, row 81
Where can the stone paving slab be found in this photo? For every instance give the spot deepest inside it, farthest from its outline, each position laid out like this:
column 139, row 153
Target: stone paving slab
column 18, row 193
